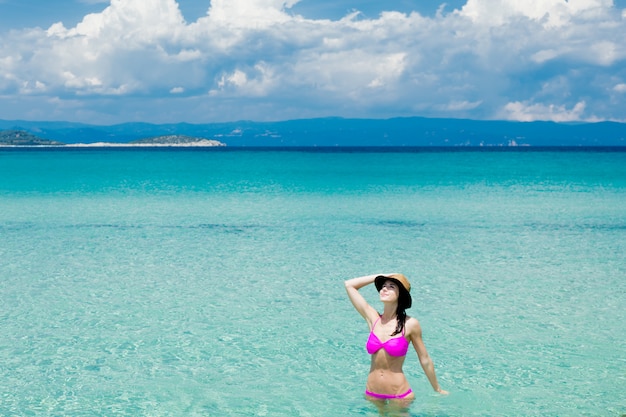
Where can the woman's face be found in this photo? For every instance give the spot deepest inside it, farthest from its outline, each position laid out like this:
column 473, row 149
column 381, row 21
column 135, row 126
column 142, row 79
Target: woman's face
column 389, row 291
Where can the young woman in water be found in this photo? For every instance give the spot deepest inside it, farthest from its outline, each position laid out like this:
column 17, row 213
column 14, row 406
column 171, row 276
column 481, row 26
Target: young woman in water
column 390, row 335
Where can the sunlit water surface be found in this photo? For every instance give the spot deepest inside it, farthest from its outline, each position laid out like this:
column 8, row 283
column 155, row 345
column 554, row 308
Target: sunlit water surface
column 210, row 282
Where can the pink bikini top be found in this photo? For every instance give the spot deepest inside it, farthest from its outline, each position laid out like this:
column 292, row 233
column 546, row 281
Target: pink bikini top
column 397, row 346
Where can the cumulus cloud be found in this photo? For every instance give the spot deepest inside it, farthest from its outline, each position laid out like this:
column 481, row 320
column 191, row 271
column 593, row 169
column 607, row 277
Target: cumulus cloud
column 254, row 83
column 549, row 13
column 530, row 112
column 256, row 59
column 256, row 14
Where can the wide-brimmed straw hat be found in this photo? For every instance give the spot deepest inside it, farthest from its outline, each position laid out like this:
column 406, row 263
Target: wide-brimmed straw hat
column 403, row 284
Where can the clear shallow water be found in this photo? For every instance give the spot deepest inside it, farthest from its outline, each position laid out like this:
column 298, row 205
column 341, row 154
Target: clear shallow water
column 210, row 283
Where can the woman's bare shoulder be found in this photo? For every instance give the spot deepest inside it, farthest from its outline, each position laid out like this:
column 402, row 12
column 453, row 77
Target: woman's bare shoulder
column 412, row 325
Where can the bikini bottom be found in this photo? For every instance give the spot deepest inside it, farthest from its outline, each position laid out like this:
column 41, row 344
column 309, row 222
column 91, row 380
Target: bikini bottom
column 387, row 396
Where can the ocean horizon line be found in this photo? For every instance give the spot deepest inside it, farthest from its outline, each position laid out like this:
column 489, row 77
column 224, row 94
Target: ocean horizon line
column 313, row 148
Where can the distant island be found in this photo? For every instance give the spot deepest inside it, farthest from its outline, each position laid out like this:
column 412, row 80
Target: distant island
column 22, row 138
column 158, row 141
column 177, row 140
column 321, row 132
column 18, row 138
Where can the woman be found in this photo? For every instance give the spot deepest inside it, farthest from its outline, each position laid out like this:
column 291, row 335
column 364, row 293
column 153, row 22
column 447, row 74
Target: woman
column 390, row 334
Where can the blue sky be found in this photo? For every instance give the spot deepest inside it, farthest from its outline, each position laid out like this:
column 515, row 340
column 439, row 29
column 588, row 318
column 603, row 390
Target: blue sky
column 201, row 61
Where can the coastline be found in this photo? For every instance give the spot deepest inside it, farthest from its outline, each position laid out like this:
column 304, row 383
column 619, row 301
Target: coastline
column 198, row 144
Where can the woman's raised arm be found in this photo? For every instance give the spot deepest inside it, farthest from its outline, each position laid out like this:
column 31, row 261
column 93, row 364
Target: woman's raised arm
column 353, row 286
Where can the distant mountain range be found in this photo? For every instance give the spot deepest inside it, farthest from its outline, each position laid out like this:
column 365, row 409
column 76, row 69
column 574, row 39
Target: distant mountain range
column 411, row 131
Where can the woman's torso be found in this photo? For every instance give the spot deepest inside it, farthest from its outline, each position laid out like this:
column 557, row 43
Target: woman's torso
column 386, row 376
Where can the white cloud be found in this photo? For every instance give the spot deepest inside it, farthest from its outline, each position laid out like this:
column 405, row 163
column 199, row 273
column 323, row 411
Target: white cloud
column 551, row 59
column 606, row 52
column 73, row 81
column 129, row 21
column 182, row 56
column 256, row 14
column 237, row 78
column 550, row 13
column 544, row 55
column 529, row 112
column 388, row 69
column 461, row 105
column 256, row 83
column 620, row 88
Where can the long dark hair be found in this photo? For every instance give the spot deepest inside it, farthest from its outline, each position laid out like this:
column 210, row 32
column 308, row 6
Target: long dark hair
column 403, row 303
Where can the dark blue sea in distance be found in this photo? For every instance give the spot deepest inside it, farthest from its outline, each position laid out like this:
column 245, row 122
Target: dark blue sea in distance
column 209, row 282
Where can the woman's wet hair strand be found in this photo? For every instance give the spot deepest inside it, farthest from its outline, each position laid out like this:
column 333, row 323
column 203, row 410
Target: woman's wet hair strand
column 401, row 313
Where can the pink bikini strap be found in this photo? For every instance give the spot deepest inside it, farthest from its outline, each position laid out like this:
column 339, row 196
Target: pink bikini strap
column 374, row 325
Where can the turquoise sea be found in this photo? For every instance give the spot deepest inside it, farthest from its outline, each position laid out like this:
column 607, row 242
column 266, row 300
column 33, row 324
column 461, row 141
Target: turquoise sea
column 209, row 282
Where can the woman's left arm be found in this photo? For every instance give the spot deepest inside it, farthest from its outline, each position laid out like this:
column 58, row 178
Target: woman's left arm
column 415, row 333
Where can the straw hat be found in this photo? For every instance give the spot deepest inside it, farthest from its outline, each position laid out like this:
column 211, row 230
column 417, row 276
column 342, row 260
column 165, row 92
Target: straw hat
column 403, row 283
